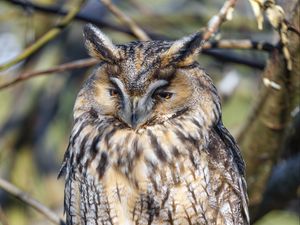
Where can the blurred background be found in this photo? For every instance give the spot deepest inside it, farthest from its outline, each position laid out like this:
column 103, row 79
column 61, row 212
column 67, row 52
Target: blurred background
column 36, row 114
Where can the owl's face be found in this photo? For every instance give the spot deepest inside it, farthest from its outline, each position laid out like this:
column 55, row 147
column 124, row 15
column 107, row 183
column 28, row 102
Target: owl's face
column 145, row 83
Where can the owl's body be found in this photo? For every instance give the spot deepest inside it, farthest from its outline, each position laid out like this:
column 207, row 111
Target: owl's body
column 148, row 145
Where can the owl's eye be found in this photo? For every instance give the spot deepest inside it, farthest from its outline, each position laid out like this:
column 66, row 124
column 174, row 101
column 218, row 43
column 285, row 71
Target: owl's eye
column 113, row 92
column 163, row 94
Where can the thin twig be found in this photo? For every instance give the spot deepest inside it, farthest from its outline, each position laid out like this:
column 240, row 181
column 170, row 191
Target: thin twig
column 239, row 44
column 126, row 20
column 235, row 58
column 294, row 29
column 141, row 8
column 24, row 197
column 60, row 68
column 50, row 35
column 216, row 21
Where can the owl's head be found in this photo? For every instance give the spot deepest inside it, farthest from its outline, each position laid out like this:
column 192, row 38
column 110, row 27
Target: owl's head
column 145, row 83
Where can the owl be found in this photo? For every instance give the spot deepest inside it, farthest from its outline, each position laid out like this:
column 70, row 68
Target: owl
column 148, row 145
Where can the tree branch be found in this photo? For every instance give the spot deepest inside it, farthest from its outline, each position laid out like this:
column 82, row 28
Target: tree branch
column 51, row 34
column 234, row 58
column 240, row 44
column 24, row 197
column 126, row 20
column 60, row 68
column 216, row 21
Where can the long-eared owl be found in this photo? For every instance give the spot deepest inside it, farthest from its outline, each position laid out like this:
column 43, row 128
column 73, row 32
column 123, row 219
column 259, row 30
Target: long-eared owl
column 148, row 145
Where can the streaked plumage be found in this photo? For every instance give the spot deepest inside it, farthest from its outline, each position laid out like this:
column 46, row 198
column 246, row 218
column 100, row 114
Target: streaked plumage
column 148, row 145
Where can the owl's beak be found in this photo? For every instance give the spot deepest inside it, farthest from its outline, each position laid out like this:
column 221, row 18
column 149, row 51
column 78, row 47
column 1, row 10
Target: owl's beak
column 136, row 114
column 134, row 120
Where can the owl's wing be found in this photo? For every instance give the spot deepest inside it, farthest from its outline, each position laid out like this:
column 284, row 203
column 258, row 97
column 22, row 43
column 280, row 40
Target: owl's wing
column 237, row 178
column 85, row 202
column 231, row 144
column 72, row 190
column 72, row 200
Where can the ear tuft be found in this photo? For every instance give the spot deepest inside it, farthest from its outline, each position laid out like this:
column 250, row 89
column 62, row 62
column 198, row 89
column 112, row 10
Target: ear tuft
column 99, row 45
column 183, row 51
